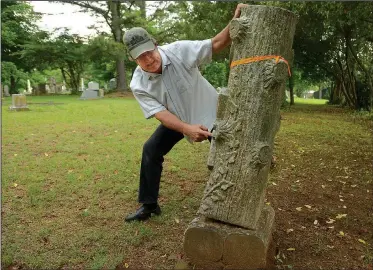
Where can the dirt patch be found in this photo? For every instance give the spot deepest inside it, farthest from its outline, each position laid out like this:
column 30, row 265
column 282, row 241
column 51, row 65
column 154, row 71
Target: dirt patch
column 322, row 193
column 126, row 94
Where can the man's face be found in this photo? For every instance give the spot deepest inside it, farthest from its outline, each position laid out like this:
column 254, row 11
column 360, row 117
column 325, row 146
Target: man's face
column 150, row 61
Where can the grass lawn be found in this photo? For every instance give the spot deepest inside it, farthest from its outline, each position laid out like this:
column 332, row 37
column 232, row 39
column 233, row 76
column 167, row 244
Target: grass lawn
column 310, row 101
column 70, row 174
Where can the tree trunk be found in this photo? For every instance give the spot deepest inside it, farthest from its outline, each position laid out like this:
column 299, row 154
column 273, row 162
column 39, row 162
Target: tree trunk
column 291, row 87
column 249, row 116
column 331, row 93
column 142, row 6
column 114, row 7
column 365, row 69
column 12, row 88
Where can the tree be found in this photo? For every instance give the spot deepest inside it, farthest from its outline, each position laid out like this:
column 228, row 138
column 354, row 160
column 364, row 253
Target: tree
column 17, row 28
column 65, row 52
column 332, row 43
column 120, row 16
column 103, row 52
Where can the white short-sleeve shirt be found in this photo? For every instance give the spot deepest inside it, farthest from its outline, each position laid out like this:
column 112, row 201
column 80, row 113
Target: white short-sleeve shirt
column 181, row 89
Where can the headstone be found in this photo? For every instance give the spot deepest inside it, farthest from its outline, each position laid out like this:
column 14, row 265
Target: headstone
column 6, row 91
column 29, row 89
column 41, row 89
column 234, row 227
column 309, row 94
column 93, row 86
column 52, row 85
column 287, row 94
column 112, row 84
column 19, row 103
column 64, row 89
column 101, row 93
column 92, row 92
column 82, row 85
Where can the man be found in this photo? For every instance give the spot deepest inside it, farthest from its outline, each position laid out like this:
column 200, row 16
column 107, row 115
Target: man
column 168, row 86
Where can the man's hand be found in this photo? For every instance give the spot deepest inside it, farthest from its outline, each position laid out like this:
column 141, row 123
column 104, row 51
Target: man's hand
column 197, row 133
column 222, row 40
column 237, row 12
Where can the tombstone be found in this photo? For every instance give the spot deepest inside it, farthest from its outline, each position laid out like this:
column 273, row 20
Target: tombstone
column 58, row 88
column 19, row 103
column 52, row 86
column 82, row 85
column 101, row 92
column 321, row 94
column 309, row 94
column 41, row 89
column 112, row 84
column 92, row 92
column 287, row 93
column 64, row 89
column 6, row 91
column 233, row 229
column 93, row 86
column 29, row 89
column 64, row 85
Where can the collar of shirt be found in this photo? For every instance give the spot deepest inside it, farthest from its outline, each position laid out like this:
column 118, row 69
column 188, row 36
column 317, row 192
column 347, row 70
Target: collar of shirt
column 165, row 62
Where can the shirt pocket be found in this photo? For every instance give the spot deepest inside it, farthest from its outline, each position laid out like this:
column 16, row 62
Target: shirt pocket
column 184, row 82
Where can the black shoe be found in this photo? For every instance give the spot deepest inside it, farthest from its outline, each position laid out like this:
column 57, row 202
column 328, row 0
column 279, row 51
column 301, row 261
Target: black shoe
column 143, row 213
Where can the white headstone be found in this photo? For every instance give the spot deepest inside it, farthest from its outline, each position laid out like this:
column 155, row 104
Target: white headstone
column 93, row 86
column 29, row 89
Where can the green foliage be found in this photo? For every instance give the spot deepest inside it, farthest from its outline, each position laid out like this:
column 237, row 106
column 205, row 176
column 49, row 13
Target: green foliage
column 17, row 29
column 103, row 52
column 9, row 70
column 65, row 52
column 333, row 42
column 203, row 20
column 38, row 77
column 217, row 73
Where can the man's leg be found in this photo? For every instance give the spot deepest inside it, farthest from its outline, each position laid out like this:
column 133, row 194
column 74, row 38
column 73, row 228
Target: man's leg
column 158, row 145
column 154, row 150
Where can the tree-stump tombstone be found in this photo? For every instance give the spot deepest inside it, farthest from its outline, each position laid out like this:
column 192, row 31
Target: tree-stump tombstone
column 234, row 226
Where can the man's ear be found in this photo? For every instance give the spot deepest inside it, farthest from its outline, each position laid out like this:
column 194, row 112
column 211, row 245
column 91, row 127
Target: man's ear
column 154, row 41
column 129, row 55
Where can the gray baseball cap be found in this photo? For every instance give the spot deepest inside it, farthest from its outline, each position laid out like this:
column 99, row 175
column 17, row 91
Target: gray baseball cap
column 138, row 41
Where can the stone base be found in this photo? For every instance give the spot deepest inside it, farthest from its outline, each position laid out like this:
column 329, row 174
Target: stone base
column 19, row 108
column 90, row 94
column 215, row 245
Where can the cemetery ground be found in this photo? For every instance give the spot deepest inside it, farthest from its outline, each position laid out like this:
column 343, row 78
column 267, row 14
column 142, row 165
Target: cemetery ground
column 70, row 175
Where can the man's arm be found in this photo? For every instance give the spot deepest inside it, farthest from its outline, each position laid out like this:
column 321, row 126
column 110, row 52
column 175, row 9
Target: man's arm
column 223, row 39
column 196, row 133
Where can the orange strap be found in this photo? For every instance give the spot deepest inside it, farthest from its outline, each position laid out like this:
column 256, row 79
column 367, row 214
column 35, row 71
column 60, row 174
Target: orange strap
column 260, row 58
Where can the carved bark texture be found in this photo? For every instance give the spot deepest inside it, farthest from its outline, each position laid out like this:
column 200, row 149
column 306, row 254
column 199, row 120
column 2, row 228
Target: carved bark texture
column 248, row 116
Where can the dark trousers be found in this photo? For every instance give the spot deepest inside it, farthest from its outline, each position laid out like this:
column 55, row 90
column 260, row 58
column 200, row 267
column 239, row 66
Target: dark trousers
column 158, row 145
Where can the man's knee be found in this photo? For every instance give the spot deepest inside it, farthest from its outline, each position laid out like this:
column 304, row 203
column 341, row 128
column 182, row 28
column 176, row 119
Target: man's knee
column 150, row 150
